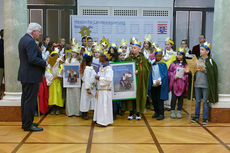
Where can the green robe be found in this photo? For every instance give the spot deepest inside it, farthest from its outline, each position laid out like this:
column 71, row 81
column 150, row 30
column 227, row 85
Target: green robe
column 212, row 74
column 143, row 66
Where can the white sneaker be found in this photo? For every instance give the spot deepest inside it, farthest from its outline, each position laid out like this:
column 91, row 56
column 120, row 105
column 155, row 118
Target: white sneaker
column 130, row 117
column 138, row 118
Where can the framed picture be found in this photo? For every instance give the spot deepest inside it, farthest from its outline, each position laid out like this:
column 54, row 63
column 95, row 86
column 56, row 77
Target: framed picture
column 124, row 80
column 67, row 54
column 71, row 77
column 96, row 67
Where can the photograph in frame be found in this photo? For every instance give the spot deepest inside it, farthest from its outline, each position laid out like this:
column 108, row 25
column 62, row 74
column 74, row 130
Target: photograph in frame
column 71, row 76
column 124, row 80
column 67, row 54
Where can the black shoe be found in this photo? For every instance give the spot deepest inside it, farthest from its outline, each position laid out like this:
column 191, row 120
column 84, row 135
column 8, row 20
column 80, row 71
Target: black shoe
column 122, row 113
column 155, row 115
column 160, row 117
column 205, row 121
column 195, row 119
column 35, row 124
column 34, row 129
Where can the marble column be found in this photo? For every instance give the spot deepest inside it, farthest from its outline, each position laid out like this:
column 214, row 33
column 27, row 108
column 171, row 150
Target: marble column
column 221, row 53
column 15, row 26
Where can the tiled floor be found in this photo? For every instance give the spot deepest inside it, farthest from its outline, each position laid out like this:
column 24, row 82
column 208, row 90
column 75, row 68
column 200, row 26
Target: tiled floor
column 64, row 134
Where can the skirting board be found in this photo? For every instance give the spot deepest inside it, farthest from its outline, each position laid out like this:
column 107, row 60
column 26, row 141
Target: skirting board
column 10, row 113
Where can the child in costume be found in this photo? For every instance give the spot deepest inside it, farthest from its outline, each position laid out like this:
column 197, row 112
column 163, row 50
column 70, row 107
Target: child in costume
column 147, row 46
column 88, row 78
column 124, row 47
column 43, row 93
column 121, row 55
column 142, row 74
column 178, row 82
column 158, row 83
column 73, row 95
column 205, row 83
column 169, row 55
column 103, row 112
column 152, row 56
column 53, row 77
column 45, row 51
column 113, row 52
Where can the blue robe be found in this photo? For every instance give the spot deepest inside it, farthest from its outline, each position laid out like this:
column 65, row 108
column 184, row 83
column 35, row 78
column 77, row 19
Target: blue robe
column 164, row 79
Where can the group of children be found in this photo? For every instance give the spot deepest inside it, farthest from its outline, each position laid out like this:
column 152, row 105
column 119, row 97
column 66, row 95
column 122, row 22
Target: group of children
column 160, row 75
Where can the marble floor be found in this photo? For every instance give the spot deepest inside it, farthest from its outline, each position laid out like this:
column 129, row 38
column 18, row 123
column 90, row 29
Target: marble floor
column 64, row 134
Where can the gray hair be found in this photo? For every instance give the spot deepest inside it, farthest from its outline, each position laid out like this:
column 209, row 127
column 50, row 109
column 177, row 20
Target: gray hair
column 32, row 27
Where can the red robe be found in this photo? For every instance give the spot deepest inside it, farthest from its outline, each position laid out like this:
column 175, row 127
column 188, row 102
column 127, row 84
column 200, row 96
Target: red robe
column 43, row 96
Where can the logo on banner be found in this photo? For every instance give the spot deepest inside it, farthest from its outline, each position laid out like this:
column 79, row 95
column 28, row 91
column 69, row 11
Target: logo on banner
column 162, row 28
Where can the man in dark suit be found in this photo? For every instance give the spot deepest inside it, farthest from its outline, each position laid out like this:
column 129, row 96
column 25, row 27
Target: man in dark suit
column 1, row 60
column 31, row 68
column 196, row 49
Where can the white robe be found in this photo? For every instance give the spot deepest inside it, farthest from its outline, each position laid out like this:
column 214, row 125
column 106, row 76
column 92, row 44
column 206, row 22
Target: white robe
column 127, row 53
column 73, row 96
column 168, row 54
column 96, row 60
column 87, row 102
column 103, row 111
column 146, row 53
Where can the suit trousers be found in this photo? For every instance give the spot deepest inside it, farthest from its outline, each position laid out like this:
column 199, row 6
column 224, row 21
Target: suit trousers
column 1, row 77
column 28, row 103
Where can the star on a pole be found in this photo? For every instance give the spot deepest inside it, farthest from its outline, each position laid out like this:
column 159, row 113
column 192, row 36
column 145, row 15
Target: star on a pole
column 85, row 31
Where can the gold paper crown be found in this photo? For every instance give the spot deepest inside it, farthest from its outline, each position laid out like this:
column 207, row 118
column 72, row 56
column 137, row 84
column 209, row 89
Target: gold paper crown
column 105, row 42
column 97, row 48
column 169, row 40
column 123, row 42
column 87, row 53
column 148, row 38
column 207, row 45
column 113, row 45
column 137, row 43
column 155, row 44
column 181, row 50
column 106, row 55
column 120, row 51
column 76, row 48
column 158, row 50
column 132, row 40
column 73, row 42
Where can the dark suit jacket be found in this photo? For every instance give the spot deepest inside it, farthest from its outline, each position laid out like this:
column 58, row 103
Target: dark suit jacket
column 1, row 53
column 196, row 50
column 32, row 66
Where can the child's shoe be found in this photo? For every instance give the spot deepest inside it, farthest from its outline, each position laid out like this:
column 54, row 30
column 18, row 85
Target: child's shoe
column 205, row 121
column 172, row 114
column 179, row 115
column 160, row 117
column 130, row 117
column 195, row 119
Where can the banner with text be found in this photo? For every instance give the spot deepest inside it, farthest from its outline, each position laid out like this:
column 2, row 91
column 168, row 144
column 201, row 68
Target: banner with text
column 115, row 28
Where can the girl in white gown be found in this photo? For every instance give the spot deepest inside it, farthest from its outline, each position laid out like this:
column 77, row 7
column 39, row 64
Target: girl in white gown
column 73, row 95
column 88, row 81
